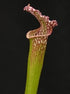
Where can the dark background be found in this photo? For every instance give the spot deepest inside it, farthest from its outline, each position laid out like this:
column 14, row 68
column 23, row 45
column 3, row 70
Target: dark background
column 14, row 24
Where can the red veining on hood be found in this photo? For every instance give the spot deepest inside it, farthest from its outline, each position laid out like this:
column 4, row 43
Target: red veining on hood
column 46, row 25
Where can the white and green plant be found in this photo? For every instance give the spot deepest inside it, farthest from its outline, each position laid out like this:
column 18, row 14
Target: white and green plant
column 38, row 42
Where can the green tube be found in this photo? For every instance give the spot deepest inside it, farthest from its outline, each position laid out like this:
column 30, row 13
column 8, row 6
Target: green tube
column 35, row 64
column 38, row 41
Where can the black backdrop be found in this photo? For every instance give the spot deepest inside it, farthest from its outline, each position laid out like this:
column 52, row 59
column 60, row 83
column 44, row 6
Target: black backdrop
column 14, row 24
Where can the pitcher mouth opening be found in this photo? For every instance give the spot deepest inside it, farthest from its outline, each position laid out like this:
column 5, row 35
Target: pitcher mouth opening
column 46, row 25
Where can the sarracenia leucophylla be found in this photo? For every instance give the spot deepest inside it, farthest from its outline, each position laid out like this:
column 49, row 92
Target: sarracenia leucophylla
column 38, row 42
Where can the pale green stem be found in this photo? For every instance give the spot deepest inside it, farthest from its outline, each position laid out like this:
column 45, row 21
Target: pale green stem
column 35, row 64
